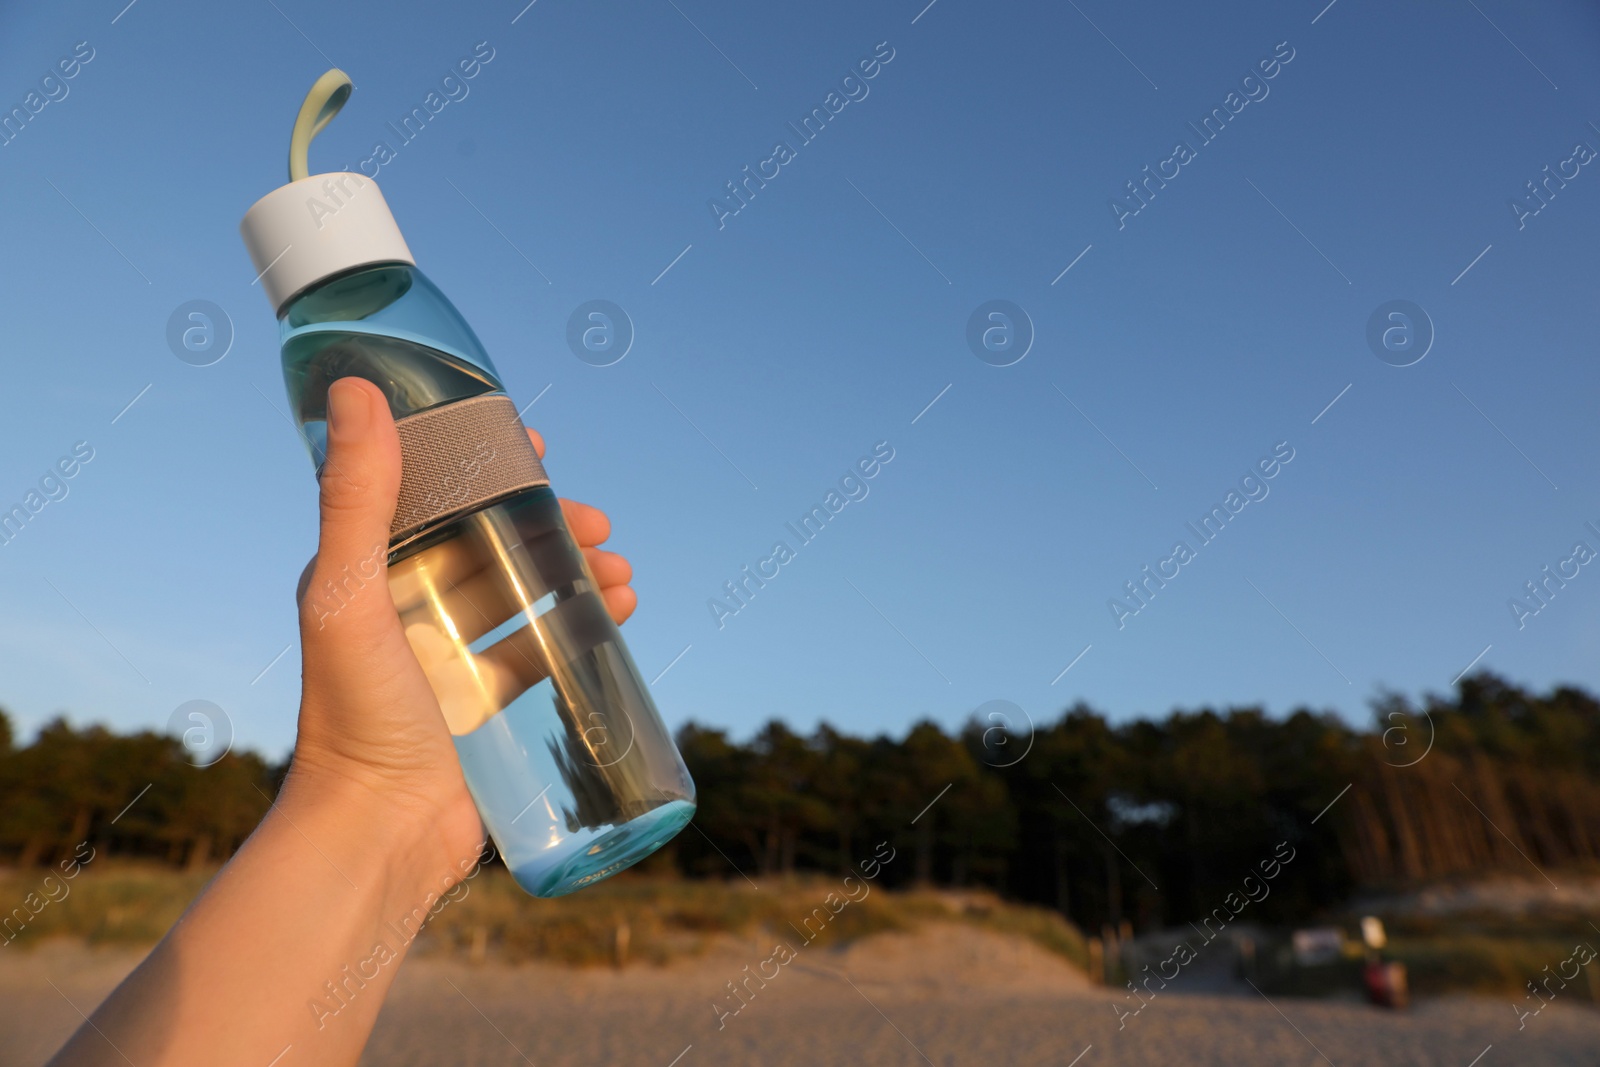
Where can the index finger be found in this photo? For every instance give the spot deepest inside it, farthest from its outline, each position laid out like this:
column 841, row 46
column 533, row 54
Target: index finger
column 538, row 442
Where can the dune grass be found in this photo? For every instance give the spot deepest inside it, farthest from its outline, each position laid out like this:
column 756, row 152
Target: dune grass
column 632, row 918
column 650, row 919
column 642, row 918
column 1490, row 953
column 1478, row 964
column 106, row 903
column 1485, row 952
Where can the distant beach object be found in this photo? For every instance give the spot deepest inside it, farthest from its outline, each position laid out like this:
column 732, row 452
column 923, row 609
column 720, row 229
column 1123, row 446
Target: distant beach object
column 1317, row 945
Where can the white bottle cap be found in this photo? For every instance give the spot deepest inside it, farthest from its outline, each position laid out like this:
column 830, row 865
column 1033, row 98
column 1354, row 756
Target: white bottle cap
column 323, row 224
column 316, row 227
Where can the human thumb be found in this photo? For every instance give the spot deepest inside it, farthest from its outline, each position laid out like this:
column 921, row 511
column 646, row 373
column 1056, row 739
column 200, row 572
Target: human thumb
column 359, row 486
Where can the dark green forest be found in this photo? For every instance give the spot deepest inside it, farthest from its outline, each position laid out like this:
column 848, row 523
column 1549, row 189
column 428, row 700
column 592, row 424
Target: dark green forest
column 1149, row 821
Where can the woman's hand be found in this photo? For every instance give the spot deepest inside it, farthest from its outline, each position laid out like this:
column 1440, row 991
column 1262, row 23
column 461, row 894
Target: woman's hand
column 369, row 722
column 290, row 950
column 293, row 946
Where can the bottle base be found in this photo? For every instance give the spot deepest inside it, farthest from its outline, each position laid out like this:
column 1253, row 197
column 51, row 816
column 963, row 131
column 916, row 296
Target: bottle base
column 613, row 851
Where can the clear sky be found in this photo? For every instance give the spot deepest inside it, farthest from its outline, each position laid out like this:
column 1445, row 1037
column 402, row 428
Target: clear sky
column 775, row 347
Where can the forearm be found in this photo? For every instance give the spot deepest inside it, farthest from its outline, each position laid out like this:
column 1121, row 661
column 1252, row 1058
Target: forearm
column 306, row 926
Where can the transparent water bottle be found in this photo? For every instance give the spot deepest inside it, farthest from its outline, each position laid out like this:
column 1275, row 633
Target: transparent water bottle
column 573, row 771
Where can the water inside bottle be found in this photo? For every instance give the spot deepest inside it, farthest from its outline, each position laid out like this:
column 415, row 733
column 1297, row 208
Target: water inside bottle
column 568, row 760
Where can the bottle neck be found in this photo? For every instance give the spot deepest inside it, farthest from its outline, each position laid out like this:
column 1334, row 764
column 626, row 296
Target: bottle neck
column 389, row 325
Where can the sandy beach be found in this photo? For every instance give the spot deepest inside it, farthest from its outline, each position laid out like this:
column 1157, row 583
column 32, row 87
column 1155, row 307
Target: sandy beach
column 943, row 996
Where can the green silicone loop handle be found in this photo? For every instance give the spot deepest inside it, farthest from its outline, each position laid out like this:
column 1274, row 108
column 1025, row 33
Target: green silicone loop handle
column 326, row 97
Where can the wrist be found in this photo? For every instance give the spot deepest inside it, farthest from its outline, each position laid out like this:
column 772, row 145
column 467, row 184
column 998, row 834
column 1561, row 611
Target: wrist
column 397, row 841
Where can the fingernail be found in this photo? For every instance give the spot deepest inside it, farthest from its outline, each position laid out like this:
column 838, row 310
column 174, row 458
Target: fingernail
column 348, row 409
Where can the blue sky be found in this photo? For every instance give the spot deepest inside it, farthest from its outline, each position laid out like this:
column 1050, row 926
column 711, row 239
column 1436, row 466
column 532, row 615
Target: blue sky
column 1377, row 164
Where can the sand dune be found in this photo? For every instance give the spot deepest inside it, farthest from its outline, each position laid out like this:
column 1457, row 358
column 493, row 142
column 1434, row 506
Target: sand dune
column 946, row 995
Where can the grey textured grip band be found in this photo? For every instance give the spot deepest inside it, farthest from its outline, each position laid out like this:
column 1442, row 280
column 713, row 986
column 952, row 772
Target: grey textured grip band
column 460, row 456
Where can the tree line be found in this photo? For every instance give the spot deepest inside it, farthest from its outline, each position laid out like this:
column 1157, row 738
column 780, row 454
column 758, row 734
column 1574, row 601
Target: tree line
column 1150, row 821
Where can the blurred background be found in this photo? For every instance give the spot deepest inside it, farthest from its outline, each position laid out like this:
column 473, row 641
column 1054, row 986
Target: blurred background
column 1301, row 288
